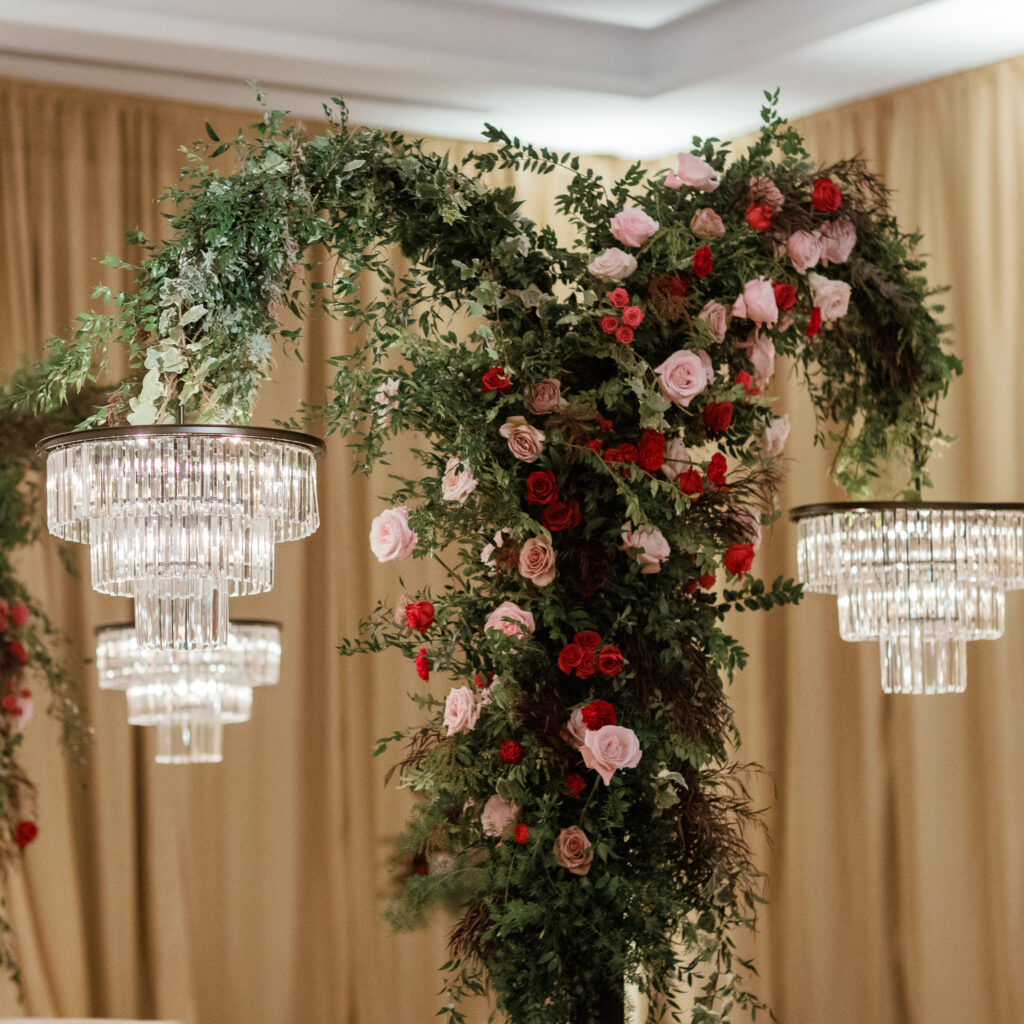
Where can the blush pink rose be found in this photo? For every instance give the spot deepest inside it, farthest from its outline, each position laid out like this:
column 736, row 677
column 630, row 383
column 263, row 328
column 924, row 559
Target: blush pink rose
column 574, row 731
column 610, row 748
column 677, row 459
column 385, row 402
column 458, row 481
column 543, row 397
column 684, row 375
column 804, row 250
column 831, row 297
column 24, row 715
column 706, row 224
column 716, row 316
column 461, row 710
column 757, row 303
column 760, row 351
column 510, row 619
column 400, row 605
column 648, row 547
column 632, row 226
column 573, row 850
column 525, row 442
column 498, row 816
column 696, row 173
column 838, row 237
column 537, row 561
column 773, row 440
column 391, row 538
column 612, row 265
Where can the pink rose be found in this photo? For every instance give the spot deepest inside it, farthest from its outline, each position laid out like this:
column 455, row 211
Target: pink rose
column 677, row 458
column 510, row 619
column 24, row 715
column 760, row 351
column 526, row 443
column 684, row 375
column 573, row 850
column 648, row 547
column 19, row 613
column 461, row 710
column 609, row 748
column 498, row 816
column 706, row 224
column 385, row 402
column 696, row 173
column 757, row 302
column 716, row 316
column 400, row 605
column 632, row 226
column 487, row 553
column 838, row 237
column 390, row 535
column 575, row 729
column 537, row 561
column 612, row 265
column 765, row 192
column 749, row 520
column 831, row 297
column 543, row 397
column 804, row 250
column 773, row 439
column 458, row 482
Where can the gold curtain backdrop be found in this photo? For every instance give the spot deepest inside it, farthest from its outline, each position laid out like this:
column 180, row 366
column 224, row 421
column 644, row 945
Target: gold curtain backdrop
column 252, row 891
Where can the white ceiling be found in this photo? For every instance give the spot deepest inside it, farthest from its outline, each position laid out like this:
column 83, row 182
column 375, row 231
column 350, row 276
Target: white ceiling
column 636, row 78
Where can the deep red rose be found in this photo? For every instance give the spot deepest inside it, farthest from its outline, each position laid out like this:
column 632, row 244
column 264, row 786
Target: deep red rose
column 652, row 450
column 611, row 456
column 827, row 196
column 419, row 615
column 422, row 665
column 588, row 639
column 569, row 657
column 624, row 335
column 495, row 379
column 541, row 487
column 632, row 316
column 17, row 651
column 747, row 381
column 598, row 714
column 707, row 581
column 562, row 515
column 522, row 836
column 10, row 704
column 785, row 296
column 739, row 558
column 608, row 324
column 575, row 784
column 691, row 483
column 814, row 323
column 759, row 216
column 511, row 752
column 594, row 444
column 628, row 453
column 691, row 587
column 478, row 679
column 588, row 663
column 618, row 297
column 716, row 469
column 25, row 832
column 702, row 262
column 609, row 660
column 605, row 424
column 718, row 416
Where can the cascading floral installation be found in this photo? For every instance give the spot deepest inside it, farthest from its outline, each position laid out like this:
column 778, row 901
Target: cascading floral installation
column 601, row 456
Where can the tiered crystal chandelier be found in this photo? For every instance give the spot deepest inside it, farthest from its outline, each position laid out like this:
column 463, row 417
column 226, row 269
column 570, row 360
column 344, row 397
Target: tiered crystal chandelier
column 181, row 517
column 189, row 696
column 920, row 578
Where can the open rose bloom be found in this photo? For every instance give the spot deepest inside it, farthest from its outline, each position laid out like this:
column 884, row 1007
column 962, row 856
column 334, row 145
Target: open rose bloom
column 610, row 748
column 391, row 538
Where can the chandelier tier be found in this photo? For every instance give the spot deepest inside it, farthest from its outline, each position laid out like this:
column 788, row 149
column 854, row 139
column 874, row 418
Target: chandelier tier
column 181, row 517
column 921, row 578
column 189, row 696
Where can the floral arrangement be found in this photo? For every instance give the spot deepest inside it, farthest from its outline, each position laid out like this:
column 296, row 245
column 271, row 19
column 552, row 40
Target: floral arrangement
column 601, row 455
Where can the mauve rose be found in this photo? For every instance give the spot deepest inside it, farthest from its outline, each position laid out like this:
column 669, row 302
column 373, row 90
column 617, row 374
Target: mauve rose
column 697, row 173
column 609, row 748
column 612, row 265
column 543, row 397
column 765, row 192
column 716, row 316
column 677, row 458
column 804, row 250
column 526, row 443
column 498, row 816
column 684, row 375
column 706, row 224
column 385, row 402
column 537, row 561
column 831, row 297
column 510, row 619
column 760, row 351
column 648, row 547
column 461, row 710
column 773, row 440
column 757, row 303
column 573, row 850
column 632, row 226
column 749, row 521
column 838, row 237
column 574, row 731
column 390, row 535
column 458, row 482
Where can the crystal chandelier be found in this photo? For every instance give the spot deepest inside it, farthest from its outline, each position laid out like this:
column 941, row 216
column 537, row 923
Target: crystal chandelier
column 920, row 578
column 181, row 517
column 189, row 696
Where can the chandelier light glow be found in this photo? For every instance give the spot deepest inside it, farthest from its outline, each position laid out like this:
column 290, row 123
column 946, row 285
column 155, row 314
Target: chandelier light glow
column 181, row 517
column 921, row 578
column 189, row 696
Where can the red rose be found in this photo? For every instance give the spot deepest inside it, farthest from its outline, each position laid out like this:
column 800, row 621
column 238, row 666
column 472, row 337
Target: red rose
column 588, row 663
column 598, row 714
column 608, row 324
column 17, row 651
column 652, row 450
column 611, row 456
column 624, row 335
column 25, row 832
column 494, row 379
column 759, row 216
column 511, row 752
column 10, row 704
column 691, row 483
column 419, row 615
column 606, row 425
column 562, row 515
column 632, row 316
column 739, row 558
column 814, row 323
column 19, row 613
column 785, row 296
column 628, row 453
column 569, row 657
column 588, row 639
column 702, row 262
column 745, row 379
column 826, row 196
column 609, row 661
column 541, row 487
column 716, row 469
column 478, row 679
column 422, row 665
column 718, row 416
column 707, row 581
column 522, row 834
column 618, row 297
column 575, row 784
column 691, row 587
column 594, row 444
